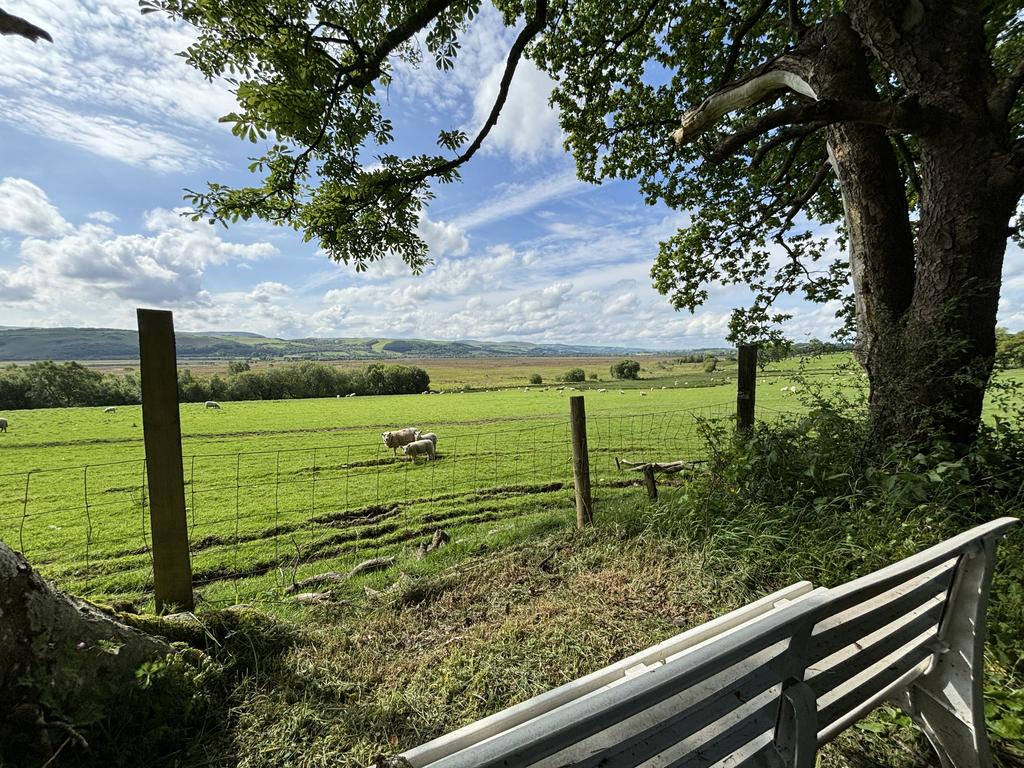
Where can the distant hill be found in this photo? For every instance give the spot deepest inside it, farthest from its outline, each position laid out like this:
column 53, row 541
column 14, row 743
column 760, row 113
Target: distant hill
column 26, row 344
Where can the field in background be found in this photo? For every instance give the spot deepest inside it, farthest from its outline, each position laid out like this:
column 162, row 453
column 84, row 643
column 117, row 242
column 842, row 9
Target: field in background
column 280, row 489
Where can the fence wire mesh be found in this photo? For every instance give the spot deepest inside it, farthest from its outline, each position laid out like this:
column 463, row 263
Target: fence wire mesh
column 264, row 513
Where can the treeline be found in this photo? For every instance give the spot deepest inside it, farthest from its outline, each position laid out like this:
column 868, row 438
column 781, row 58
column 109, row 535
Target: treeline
column 62, row 385
column 303, row 380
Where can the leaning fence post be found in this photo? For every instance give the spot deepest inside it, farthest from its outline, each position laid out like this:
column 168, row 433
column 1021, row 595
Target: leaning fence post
column 161, row 424
column 745, row 387
column 580, row 462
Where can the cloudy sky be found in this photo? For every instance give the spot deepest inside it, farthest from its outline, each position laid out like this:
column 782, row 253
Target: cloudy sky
column 101, row 132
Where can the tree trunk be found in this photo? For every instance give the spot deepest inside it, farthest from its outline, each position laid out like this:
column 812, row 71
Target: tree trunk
column 932, row 358
column 63, row 665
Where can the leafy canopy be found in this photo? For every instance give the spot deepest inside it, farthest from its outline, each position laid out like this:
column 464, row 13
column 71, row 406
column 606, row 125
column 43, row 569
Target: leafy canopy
column 311, row 77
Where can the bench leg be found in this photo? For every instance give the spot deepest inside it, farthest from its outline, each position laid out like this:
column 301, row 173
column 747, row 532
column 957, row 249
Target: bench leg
column 796, row 732
column 947, row 702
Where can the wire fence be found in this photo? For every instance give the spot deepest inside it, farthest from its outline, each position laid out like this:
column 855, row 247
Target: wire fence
column 266, row 513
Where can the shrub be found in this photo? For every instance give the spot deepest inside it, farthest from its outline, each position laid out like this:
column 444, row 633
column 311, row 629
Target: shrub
column 574, row 375
column 592, row 376
column 710, row 364
column 536, row 379
column 626, row 369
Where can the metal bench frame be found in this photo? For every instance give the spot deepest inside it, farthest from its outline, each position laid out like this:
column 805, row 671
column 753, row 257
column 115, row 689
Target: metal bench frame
column 772, row 682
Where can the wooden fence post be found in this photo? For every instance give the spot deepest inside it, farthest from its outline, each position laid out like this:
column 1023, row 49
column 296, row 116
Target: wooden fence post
column 161, row 424
column 580, row 462
column 650, row 483
column 746, row 385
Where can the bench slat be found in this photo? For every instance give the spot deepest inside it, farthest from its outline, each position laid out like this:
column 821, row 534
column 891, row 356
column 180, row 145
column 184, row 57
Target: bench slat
column 714, row 701
column 860, row 694
column 858, row 660
column 866, row 587
column 842, row 629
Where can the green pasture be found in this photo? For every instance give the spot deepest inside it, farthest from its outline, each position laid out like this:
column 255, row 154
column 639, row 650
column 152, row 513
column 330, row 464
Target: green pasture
column 279, row 489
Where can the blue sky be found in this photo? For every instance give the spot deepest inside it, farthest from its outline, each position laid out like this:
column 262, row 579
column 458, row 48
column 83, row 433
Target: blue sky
column 101, row 132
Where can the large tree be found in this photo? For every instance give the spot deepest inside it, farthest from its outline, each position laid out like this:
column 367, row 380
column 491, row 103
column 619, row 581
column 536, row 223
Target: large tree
column 817, row 146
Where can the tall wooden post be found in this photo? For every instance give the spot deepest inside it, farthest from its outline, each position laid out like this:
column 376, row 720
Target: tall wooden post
column 745, row 387
column 580, row 462
column 161, row 425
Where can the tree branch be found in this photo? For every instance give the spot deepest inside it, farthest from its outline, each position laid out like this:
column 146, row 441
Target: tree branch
column 1001, row 101
column 887, row 114
column 786, row 134
column 797, row 205
column 530, row 31
column 908, row 161
column 737, row 39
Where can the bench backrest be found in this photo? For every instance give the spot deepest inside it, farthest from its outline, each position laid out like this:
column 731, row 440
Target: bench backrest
column 768, row 684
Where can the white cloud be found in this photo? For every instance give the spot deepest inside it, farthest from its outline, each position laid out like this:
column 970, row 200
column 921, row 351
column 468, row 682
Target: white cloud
column 97, row 272
column 112, row 84
column 516, row 199
column 527, row 128
column 114, row 137
column 104, row 217
column 25, row 209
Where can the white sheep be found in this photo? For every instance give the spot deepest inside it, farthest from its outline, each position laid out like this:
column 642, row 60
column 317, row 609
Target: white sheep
column 399, row 437
column 212, row 404
column 427, row 436
column 602, row 390
column 110, row 409
column 419, row 448
column 3, row 425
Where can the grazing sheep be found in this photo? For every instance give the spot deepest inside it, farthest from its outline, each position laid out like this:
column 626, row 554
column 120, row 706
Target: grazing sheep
column 643, row 394
column 427, row 436
column 602, row 390
column 398, row 438
column 351, row 394
column 110, row 409
column 212, row 404
column 3, row 425
column 419, row 448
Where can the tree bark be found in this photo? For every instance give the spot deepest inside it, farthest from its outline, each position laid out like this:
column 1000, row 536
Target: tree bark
column 929, row 374
column 63, row 665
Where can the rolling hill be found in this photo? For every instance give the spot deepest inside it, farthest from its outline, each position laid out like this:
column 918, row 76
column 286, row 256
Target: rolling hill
column 112, row 344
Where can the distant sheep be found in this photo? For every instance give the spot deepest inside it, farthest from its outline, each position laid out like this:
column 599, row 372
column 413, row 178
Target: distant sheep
column 427, row 436
column 212, row 404
column 419, row 448
column 110, row 409
column 602, row 390
column 399, row 437
column 3, row 425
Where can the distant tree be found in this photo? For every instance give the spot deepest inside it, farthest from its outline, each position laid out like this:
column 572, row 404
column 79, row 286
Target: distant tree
column 710, row 364
column 238, row 366
column 626, row 369
column 574, row 375
column 773, row 352
column 1009, row 348
column 536, row 379
column 592, row 376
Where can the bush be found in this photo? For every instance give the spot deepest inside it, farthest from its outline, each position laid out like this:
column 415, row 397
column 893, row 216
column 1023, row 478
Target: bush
column 710, row 364
column 536, row 379
column 592, row 376
column 574, row 375
column 626, row 369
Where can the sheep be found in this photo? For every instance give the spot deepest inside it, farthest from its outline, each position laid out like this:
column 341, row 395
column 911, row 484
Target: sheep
column 212, row 404
column 398, row 438
column 110, row 409
column 3, row 425
column 427, row 436
column 419, row 448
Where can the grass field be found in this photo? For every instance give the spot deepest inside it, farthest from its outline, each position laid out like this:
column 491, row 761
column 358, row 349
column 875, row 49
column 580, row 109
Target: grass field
column 278, row 489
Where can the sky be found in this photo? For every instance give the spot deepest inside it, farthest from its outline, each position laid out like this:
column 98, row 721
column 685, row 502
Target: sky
column 102, row 131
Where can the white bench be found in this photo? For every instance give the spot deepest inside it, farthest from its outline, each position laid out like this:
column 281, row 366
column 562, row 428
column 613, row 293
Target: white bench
column 770, row 683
